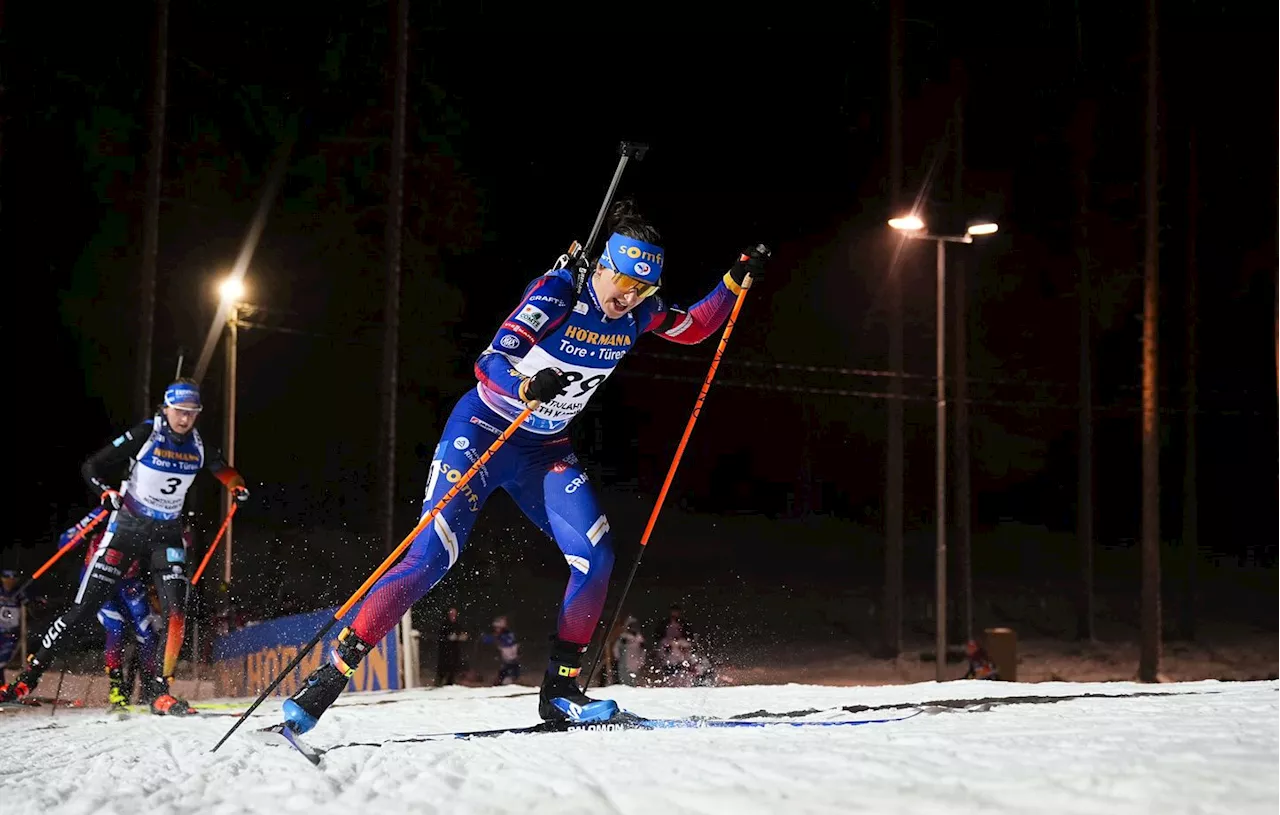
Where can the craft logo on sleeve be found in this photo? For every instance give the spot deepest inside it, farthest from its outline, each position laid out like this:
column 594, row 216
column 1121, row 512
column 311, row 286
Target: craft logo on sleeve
column 532, row 316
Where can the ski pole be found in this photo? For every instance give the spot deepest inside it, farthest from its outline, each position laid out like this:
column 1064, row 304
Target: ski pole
column 66, row 547
column 214, row 545
column 386, row 564
column 671, row 472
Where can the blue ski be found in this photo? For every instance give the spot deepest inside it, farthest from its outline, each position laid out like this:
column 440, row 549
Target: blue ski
column 630, row 721
column 623, row 721
column 268, row 734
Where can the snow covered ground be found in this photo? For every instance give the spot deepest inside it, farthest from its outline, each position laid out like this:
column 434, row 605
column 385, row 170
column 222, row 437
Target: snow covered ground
column 1090, row 748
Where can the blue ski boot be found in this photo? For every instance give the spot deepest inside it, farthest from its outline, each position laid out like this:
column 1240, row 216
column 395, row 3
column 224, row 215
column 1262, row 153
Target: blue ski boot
column 561, row 698
column 325, row 684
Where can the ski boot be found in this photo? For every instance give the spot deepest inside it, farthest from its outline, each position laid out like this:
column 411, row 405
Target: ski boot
column 325, row 684
column 155, row 694
column 561, row 698
column 118, row 695
column 25, row 683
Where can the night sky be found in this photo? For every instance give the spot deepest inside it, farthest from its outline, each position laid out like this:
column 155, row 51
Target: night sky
column 761, row 128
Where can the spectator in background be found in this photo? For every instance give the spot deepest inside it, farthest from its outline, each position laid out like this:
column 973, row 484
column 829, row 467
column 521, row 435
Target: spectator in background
column 12, row 599
column 628, row 653
column 670, row 638
column 679, row 653
column 449, row 649
column 508, row 651
column 980, row 664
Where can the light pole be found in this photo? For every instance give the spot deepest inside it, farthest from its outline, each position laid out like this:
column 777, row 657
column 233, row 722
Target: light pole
column 231, row 291
column 912, row 227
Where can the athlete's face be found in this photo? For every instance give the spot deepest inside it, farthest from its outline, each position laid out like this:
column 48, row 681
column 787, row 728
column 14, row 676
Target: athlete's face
column 616, row 297
column 182, row 417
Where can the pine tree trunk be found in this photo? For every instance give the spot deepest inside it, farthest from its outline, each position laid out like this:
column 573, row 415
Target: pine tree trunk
column 1275, row 280
column 151, row 214
column 4, row 106
column 963, row 507
column 1082, row 136
column 1190, row 506
column 1149, row 665
column 1083, row 128
column 892, row 617
column 395, row 221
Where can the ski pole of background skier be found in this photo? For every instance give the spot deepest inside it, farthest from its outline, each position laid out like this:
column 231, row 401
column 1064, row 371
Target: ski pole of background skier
column 386, row 564
column 214, row 545
column 675, row 462
column 66, row 547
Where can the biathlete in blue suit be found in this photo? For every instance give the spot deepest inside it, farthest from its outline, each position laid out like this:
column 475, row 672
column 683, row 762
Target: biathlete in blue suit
column 556, row 348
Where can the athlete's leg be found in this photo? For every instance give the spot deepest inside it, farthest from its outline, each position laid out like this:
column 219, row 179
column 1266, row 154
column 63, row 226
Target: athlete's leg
column 438, row 546
column 435, row 549
column 554, row 491
column 557, row 496
column 133, row 595
column 98, row 583
column 112, row 617
column 168, row 566
column 169, row 575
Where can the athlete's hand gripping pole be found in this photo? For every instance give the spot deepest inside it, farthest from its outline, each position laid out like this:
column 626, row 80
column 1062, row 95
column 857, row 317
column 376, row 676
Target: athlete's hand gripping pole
column 225, row 521
column 66, row 547
column 675, row 462
column 386, row 564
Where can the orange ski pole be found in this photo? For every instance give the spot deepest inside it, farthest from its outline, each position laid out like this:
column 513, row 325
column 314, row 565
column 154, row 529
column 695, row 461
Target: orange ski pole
column 671, row 471
column 382, row 569
column 67, row 547
column 214, row 545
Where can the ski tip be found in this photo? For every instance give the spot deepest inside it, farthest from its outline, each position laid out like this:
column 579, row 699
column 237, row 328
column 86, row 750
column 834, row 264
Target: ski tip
column 268, row 734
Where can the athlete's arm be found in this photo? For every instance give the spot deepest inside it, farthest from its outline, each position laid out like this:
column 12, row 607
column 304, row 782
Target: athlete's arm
column 706, row 316
column 97, row 469
column 699, row 321
column 221, row 470
column 545, row 305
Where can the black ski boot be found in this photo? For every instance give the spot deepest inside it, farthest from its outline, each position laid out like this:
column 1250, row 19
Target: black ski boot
column 561, row 698
column 155, row 694
column 303, row 710
column 24, row 684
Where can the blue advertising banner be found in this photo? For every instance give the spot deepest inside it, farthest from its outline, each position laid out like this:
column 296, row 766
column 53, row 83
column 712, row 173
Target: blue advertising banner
column 247, row 660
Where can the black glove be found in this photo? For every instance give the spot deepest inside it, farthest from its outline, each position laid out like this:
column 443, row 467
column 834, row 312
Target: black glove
column 545, row 385
column 111, row 500
column 241, row 494
column 750, row 262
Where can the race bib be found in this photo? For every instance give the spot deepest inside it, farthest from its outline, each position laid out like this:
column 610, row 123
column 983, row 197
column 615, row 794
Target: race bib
column 584, row 381
column 161, row 492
